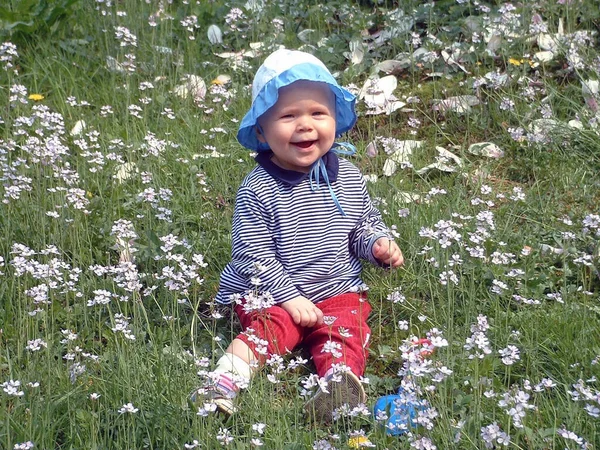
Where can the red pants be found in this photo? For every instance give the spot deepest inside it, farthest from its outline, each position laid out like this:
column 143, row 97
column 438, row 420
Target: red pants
column 345, row 340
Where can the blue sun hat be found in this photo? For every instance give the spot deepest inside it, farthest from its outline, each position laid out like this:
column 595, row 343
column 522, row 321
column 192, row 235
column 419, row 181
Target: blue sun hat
column 280, row 69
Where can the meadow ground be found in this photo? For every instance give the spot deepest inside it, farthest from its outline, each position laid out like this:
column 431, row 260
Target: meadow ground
column 478, row 135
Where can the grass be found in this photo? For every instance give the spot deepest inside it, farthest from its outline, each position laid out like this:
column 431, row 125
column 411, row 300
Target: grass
column 501, row 254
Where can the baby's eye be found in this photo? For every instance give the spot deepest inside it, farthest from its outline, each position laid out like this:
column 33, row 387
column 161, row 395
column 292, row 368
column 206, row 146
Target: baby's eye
column 319, row 113
column 287, row 116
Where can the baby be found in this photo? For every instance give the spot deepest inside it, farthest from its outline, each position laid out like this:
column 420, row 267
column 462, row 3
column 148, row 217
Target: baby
column 303, row 222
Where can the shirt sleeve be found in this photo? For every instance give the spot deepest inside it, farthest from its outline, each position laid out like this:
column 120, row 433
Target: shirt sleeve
column 253, row 252
column 369, row 228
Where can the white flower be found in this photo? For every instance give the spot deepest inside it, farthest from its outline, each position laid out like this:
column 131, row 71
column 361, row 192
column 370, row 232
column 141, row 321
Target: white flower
column 332, row 347
column 35, row 345
column 396, row 296
column 224, row 436
column 592, row 410
column 259, row 427
column 344, row 332
column 128, row 408
column 11, row 387
column 423, row 443
column 328, row 320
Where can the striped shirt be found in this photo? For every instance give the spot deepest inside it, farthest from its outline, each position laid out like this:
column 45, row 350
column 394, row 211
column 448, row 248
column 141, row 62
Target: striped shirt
column 298, row 236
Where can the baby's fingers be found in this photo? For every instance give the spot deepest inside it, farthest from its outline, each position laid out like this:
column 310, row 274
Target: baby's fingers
column 380, row 250
column 309, row 317
column 319, row 316
column 296, row 316
column 397, row 258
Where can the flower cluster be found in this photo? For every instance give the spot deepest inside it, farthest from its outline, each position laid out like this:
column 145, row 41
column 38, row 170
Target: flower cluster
column 8, row 53
column 478, row 343
column 492, row 435
column 516, row 403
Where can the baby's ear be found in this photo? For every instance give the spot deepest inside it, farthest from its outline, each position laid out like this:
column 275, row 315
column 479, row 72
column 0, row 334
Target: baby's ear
column 259, row 135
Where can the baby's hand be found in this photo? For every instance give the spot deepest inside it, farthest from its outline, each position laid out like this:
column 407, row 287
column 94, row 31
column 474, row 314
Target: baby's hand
column 303, row 311
column 387, row 252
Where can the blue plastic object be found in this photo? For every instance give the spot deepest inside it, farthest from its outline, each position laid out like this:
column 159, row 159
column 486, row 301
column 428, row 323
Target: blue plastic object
column 401, row 412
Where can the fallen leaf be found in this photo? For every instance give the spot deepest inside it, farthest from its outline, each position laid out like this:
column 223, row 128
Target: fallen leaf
column 387, row 108
column 561, row 27
column 221, row 80
column 357, row 52
column 452, row 60
column 371, row 149
column 442, row 167
column 459, row 104
column 255, row 6
column 493, row 44
column 80, row 125
column 304, row 35
column 575, row 124
column 113, row 65
column 402, row 154
column 389, row 168
column 547, row 42
column 487, row 149
column 377, row 94
column 406, row 197
column 377, row 90
column 125, row 250
column 545, row 248
column 392, row 145
column 193, row 85
column 392, row 66
column 543, row 56
column 125, row 171
column 574, row 59
column 449, row 155
column 544, row 126
column 473, row 23
column 442, row 163
column 215, row 36
column 589, row 88
column 436, row 74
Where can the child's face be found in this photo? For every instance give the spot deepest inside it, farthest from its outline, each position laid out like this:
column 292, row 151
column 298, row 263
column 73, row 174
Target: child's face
column 300, row 127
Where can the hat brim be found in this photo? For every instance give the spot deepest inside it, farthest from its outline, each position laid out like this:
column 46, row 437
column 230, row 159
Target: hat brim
column 345, row 116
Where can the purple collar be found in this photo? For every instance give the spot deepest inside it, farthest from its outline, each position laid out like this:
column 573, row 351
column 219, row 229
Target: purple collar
column 292, row 177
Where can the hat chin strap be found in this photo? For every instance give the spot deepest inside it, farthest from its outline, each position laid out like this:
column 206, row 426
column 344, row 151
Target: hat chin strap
column 318, row 169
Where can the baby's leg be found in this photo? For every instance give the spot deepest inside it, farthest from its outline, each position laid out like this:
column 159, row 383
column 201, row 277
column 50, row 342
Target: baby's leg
column 346, row 339
column 341, row 341
column 268, row 332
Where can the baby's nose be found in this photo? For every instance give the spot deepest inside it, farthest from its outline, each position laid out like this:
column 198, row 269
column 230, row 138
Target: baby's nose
column 305, row 123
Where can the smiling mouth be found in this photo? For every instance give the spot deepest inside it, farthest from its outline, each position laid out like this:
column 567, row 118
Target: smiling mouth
column 303, row 144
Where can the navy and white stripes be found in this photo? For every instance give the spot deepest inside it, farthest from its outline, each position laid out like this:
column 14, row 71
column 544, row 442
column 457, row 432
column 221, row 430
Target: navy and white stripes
column 299, row 236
